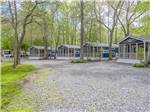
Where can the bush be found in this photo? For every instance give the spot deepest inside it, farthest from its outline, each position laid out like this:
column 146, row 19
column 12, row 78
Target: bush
column 138, row 65
column 78, row 61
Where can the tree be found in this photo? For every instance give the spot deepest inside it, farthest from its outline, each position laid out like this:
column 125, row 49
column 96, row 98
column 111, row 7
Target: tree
column 6, row 36
column 82, row 29
column 115, row 13
column 43, row 19
column 44, row 31
column 131, row 11
column 19, row 26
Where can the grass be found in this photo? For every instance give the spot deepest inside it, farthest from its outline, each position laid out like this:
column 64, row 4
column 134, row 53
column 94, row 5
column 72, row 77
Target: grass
column 138, row 65
column 56, row 97
column 82, row 61
column 10, row 77
column 78, row 61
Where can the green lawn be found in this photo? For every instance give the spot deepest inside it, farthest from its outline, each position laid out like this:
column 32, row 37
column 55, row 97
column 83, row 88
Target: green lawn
column 10, row 80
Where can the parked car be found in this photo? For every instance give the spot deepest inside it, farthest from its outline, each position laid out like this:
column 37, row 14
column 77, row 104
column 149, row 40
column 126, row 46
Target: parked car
column 7, row 53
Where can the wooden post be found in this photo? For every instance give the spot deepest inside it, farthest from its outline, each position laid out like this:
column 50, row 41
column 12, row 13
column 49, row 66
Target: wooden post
column 87, row 47
column 68, row 51
column 101, row 52
column 148, row 48
column 73, row 52
column 97, row 51
column 144, row 51
column 130, row 51
column 136, row 51
column 62, row 52
column 123, row 51
column 119, row 48
column 39, row 52
column 93, row 51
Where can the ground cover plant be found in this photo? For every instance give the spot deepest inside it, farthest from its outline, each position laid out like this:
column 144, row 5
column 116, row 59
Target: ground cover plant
column 10, row 78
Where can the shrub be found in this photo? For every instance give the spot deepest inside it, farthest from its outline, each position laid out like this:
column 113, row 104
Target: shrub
column 138, row 65
column 78, row 61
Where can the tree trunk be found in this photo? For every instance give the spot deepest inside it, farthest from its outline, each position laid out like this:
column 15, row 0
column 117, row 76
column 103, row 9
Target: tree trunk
column 46, row 51
column 45, row 27
column 110, row 44
column 127, row 30
column 116, row 39
column 82, row 30
column 55, row 55
column 147, row 61
column 16, row 55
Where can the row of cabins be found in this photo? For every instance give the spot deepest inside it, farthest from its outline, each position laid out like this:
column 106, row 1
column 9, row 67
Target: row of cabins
column 90, row 50
column 129, row 50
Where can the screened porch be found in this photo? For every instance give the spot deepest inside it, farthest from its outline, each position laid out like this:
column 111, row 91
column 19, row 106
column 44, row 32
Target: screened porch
column 132, row 48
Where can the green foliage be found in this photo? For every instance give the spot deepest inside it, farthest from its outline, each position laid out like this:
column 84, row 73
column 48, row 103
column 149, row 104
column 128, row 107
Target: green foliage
column 143, row 6
column 6, row 36
column 78, row 61
column 138, row 65
column 25, row 47
column 144, row 28
column 63, row 20
column 10, row 77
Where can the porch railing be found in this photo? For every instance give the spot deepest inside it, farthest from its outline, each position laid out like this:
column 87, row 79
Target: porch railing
column 138, row 56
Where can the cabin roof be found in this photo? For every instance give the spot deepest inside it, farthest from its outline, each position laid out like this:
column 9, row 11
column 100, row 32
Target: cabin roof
column 70, row 46
column 140, row 38
column 41, row 47
column 100, row 44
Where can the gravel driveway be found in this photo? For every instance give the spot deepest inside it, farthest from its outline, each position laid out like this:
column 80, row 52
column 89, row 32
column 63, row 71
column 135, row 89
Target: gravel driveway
column 59, row 86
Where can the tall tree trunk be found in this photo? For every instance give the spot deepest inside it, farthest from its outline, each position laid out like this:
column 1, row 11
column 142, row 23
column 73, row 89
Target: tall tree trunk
column 147, row 61
column 17, row 47
column 45, row 48
column 55, row 53
column 100, row 33
column 45, row 41
column 82, row 30
column 16, row 55
column 116, row 38
column 110, row 45
column 128, row 30
column 75, row 35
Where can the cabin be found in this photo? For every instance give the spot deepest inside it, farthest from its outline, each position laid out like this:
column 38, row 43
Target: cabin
column 23, row 54
column 67, row 50
column 37, row 52
column 133, row 49
column 99, row 50
column 7, row 53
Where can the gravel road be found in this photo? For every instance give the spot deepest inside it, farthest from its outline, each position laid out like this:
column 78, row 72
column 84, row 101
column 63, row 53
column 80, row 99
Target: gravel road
column 59, row 86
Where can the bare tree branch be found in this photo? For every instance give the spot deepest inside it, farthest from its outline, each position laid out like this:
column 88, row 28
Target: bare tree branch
column 99, row 18
column 25, row 21
column 11, row 13
column 136, row 17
